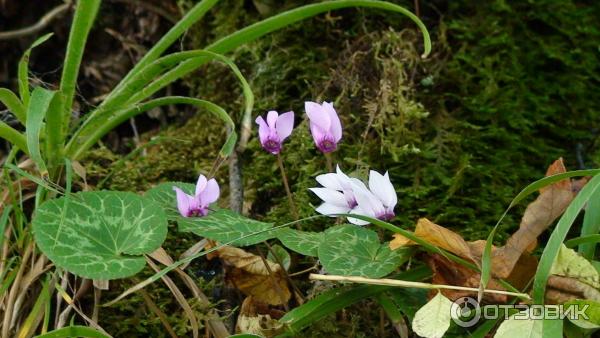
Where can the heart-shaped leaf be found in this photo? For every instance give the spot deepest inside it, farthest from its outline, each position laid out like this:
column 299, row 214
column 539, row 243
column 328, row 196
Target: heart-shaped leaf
column 99, row 234
column 220, row 224
column 433, row 319
column 354, row 251
column 303, row 242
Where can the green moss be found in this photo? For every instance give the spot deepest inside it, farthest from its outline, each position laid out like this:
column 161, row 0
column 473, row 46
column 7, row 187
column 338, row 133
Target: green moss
column 509, row 88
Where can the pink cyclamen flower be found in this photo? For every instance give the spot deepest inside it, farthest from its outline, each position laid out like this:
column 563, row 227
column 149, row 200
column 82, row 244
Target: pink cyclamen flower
column 275, row 130
column 325, row 125
column 207, row 192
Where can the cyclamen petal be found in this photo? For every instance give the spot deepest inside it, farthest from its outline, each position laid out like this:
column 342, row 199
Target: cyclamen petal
column 330, row 181
column 336, row 125
column 263, row 129
column 330, row 196
column 357, row 211
column 206, row 192
column 211, row 193
column 201, row 184
column 381, row 187
column 272, row 119
column 346, row 194
column 325, row 125
column 331, row 210
column 317, row 115
column 183, row 202
column 275, row 130
column 285, row 125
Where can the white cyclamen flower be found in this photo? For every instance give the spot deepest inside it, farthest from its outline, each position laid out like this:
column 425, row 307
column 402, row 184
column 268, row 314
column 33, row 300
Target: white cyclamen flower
column 342, row 194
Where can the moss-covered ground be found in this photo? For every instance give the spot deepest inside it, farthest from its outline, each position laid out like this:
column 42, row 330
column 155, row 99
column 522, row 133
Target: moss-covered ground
column 509, row 87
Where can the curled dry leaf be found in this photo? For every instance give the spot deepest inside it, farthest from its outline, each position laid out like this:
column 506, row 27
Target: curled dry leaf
column 249, row 274
column 563, row 289
column 448, row 272
column 258, row 318
column 539, row 215
column 438, row 236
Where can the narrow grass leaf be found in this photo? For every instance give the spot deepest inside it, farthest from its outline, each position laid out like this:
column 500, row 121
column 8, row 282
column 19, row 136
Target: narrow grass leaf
column 591, row 225
column 36, row 111
column 12, row 102
column 74, row 331
column 558, row 236
column 23, row 70
column 486, row 259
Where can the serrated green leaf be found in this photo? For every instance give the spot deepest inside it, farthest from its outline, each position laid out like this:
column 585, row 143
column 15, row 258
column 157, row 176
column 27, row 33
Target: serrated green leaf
column 433, row 319
column 221, row 225
column 355, row 251
column 303, row 242
column 99, row 234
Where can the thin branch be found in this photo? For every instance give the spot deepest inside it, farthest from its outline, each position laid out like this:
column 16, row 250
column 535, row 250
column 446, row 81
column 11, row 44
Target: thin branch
column 409, row 284
column 38, row 26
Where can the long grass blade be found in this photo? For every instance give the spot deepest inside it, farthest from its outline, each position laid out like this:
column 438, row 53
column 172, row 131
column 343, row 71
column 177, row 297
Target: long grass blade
column 558, row 236
column 195, row 14
column 40, row 102
column 486, row 259
column 85, row 13
column 76, row 149
column 74, row 331
column 275, row 23
column 334, row 300
column 591, row 226
column 23, row 70
column 14, row 137
column 134, row 91
column 12, row 102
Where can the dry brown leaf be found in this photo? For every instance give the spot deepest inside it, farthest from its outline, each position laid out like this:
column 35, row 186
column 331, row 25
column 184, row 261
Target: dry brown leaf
column 448, row 272
column 539, row 215
column 400, row 241
column 563, row 289
column 443, row 238
column 245, row 260
column 436, row 235
column 248, row 273
column 259, row 318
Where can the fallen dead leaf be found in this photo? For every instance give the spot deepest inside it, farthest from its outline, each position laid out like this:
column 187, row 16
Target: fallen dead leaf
column 259, row 318
column 400, row 241
column 248, row 273
column 438, row 236
column 539, row 215
column 563, row 289
column 448, row 272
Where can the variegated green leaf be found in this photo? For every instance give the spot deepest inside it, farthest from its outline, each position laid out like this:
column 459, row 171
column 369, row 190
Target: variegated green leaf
column 100, row 234
column 303, row 242
column 355, row 251
column 220, row 224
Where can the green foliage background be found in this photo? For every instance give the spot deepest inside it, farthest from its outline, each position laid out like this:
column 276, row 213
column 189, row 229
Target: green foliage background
column 510, row 87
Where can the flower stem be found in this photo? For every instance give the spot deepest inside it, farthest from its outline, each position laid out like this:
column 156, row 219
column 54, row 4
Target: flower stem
column 329, row 162
column 287, row 188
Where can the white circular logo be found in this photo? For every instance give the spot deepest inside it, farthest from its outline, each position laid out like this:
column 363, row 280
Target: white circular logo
column 465, row 312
